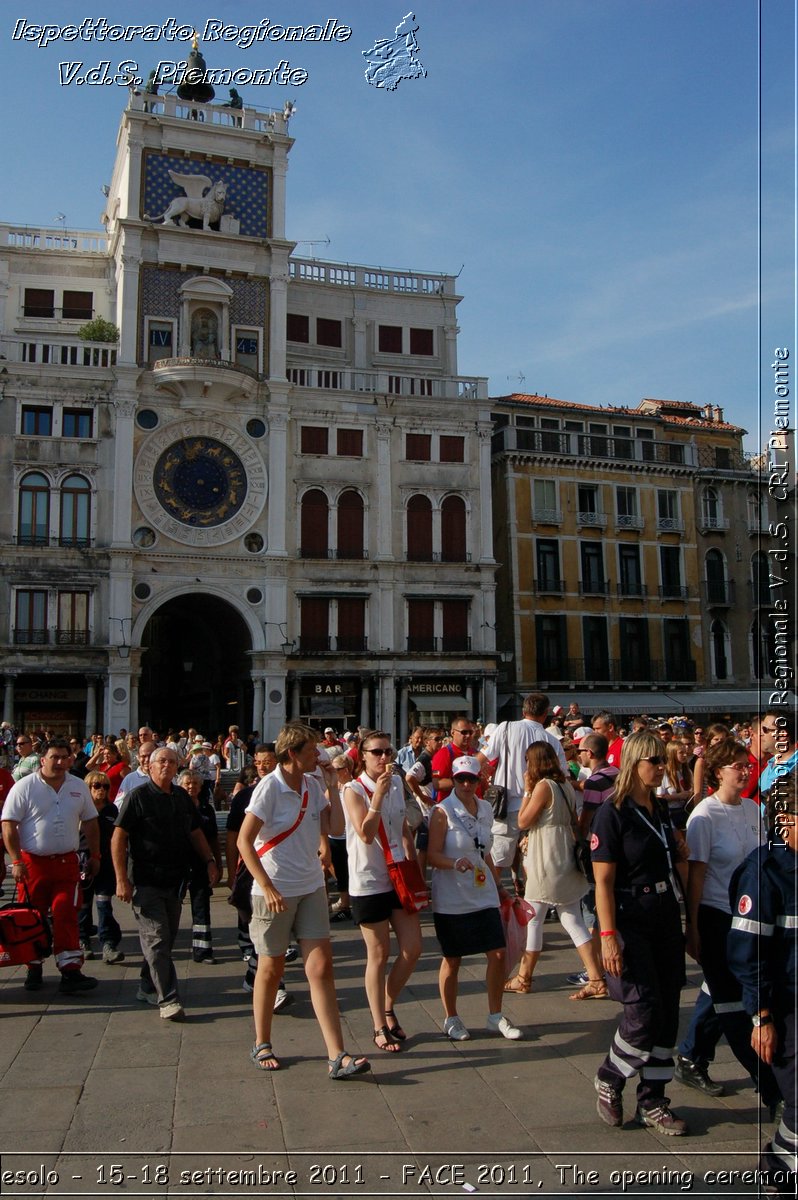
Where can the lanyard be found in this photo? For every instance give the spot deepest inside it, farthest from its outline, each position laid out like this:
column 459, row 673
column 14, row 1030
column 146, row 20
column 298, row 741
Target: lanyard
column 479, row 846
column 658, row 833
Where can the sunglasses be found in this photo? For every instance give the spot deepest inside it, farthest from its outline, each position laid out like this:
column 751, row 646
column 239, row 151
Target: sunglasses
column 467, row 778
column 768, row 728
column 381, row 753
column 100, row 787
column 656, row 760
column 467, row 732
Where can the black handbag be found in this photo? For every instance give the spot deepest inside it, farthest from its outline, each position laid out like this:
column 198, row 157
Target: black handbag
column 497, row 794
column 241, row 892
column 582, row 858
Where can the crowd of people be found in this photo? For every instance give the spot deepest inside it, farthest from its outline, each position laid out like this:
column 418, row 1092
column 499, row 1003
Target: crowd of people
column 692, row 837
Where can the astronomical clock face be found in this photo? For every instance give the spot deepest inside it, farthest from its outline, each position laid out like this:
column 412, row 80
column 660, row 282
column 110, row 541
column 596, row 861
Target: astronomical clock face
column 200, row 482
column 202, row 488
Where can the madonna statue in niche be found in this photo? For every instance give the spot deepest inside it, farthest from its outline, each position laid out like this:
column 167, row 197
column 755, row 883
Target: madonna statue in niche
column 204, row 334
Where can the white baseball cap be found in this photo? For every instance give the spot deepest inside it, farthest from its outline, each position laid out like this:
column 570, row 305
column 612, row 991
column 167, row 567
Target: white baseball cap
column 466, row 765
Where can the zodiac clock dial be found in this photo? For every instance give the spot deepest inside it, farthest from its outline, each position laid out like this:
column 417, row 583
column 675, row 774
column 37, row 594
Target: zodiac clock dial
column 200, row 481
column 205, row 488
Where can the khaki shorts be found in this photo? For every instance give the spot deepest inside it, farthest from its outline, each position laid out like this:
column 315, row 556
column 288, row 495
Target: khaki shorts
column 505, row 841
column 306, row 916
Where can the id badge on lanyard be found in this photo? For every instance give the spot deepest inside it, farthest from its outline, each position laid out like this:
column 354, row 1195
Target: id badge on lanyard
column 661, row 835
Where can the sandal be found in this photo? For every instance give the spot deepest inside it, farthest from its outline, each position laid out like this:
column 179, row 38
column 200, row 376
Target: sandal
column 264, row 1058
column 387, row 1040
column 594, row 989
column 519, row 983
column 394, row 1028
column 340, row 1070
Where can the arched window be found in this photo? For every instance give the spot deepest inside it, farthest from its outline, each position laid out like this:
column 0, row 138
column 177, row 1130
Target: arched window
column 757, row 521
column 75, row 511
column 762, row 649
column 720, row 660
column 350, row 525
column 313, row 525
column 34, row 510
column 419, row 529
column 759, row 578
column 711, row 508
column 453, row 529
column 716, row 578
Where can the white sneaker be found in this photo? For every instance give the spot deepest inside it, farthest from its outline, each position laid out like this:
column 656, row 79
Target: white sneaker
column 455, row 1030
column 282, row 1000
column 172, row 1011
column 147, row 997
column 498, row 1023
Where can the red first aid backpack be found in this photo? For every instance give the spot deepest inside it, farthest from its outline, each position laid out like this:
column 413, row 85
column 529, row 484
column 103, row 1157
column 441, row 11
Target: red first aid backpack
column 24, row 933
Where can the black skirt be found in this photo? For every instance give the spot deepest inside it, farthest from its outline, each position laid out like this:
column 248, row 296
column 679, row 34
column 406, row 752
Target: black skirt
column 469, row 933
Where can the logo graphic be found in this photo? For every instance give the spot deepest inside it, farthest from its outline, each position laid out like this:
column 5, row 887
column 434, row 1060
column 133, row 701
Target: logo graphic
column 390, row 60
column 744, row 905
column 594, row 842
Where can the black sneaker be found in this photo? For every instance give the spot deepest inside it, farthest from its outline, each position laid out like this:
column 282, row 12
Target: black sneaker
column 662, row 1119
column 609, row 1105
column 292, row 954
column 33, row 979
column 695, row 1076
column 76, row 981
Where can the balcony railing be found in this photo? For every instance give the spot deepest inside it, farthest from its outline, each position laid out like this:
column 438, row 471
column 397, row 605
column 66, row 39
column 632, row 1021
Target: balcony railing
column 439, row 556
column 719, row 593
column 760, row 595
column 549, row 587
column 673, row 591
column 33, row 539
column 631, row 589
column 71, row 637
column 713, row 524
column 31, row 237
column 594, row 587
column 510, row 438
column 616, row 671
column 350, row 379
column 349, row 555
column 449, row 644
column 59, row 352
column 670, row 525
column 31, row 637
column 221, row 364
column 594, row 520
column 311, row 643
column 627, row 521
column 547, row 516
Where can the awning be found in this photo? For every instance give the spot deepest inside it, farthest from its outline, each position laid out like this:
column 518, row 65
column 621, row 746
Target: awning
column 433, row 702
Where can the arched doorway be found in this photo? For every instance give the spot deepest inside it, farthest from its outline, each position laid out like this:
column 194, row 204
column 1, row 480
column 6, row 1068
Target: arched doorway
column 194, row 667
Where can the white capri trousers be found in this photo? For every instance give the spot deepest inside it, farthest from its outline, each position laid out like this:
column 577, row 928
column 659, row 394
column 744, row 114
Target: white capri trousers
column 571, row 919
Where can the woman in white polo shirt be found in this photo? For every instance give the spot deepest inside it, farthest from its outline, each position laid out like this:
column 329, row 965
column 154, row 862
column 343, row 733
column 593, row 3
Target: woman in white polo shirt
column 377, row 798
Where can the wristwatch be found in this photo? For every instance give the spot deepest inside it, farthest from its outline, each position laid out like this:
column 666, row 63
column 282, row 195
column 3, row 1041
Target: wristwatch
column 759, row 1019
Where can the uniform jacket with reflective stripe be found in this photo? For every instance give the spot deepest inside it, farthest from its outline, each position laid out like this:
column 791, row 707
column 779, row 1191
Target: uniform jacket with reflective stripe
column 762, row 938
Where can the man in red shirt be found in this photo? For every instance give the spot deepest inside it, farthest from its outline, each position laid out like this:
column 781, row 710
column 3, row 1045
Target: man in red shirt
column 462, row 732
column 760, row 752
column 604, row 723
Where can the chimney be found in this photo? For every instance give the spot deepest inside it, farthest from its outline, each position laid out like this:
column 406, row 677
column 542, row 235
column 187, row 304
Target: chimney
column 717, row 413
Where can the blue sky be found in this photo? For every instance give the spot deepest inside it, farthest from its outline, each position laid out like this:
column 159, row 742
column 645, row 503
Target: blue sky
column 590, row 166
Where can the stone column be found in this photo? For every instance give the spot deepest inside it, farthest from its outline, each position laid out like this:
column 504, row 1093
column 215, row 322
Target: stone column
column 120, row 496
column 278, row 307
column 279, row 170
column 386, row 717
column 489, row 706
column 382, row 537
column 134, row 701
column 295, row 700
column 8, row 698
column 403, row 707
column 91, row 705
column 365, row 701
column 278, row 456
column 257, row 704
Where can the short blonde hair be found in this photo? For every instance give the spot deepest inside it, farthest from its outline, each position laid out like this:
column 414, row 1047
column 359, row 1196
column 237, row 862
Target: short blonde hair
column 293, row 736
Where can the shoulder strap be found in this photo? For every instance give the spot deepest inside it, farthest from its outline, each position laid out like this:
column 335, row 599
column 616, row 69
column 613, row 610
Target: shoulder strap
column 381, row 834
column 286, row 832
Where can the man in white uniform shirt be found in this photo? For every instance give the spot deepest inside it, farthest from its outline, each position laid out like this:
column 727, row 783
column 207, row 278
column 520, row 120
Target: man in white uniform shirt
column 509, row 744
column 43, row 817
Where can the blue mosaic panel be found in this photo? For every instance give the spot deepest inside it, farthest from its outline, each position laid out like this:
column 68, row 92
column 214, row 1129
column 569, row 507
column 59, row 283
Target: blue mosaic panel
column 160, row 297
column 247, row 189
